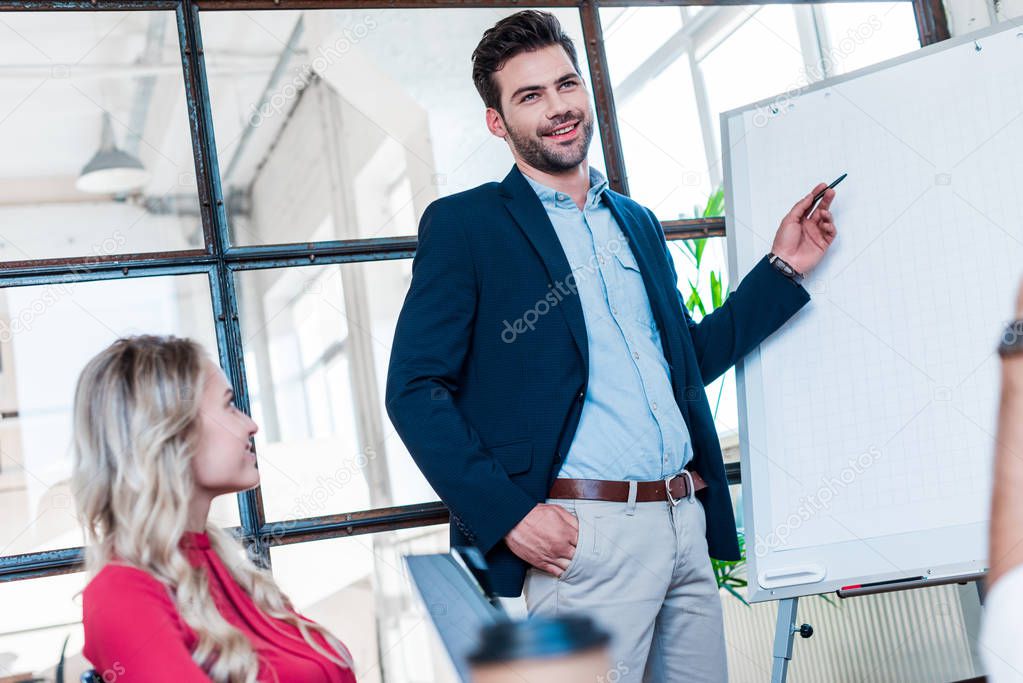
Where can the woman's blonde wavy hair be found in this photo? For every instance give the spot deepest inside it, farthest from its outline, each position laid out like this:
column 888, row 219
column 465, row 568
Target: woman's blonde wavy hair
column 136, row 414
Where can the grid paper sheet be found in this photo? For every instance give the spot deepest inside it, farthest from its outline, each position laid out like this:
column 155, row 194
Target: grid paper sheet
column 880, row 396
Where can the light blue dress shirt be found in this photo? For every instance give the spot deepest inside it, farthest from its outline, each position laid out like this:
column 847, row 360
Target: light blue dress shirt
column 631, row 427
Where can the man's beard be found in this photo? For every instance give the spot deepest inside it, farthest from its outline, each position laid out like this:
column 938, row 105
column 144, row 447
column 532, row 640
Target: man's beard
column 557, row 159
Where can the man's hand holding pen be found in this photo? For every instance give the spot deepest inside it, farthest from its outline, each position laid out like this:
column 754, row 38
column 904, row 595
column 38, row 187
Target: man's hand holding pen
column 805, row 232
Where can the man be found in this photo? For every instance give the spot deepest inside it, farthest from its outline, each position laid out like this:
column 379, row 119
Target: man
column 1003, row 625
column 549, row 382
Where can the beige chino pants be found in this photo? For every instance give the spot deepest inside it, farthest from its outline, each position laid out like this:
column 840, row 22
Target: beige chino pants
column 642, row 571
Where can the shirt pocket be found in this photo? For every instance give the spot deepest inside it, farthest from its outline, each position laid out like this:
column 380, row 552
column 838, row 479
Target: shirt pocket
column 633, row 290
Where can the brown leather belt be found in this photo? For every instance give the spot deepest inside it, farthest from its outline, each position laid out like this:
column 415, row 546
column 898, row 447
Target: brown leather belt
column 618, row 491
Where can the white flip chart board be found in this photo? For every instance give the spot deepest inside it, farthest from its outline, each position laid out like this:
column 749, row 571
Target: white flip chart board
column 867, row 422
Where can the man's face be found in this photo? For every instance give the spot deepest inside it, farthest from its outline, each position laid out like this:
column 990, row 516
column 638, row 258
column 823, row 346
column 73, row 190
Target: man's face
column 547, row 117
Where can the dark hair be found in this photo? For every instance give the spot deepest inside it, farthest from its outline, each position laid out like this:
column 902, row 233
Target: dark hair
column 525, row 31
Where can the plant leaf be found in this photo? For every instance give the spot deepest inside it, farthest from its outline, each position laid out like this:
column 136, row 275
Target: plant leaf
column 701, row 244
column 715, row 204
column 695, row 302
column 736, row 594
column 715, row 291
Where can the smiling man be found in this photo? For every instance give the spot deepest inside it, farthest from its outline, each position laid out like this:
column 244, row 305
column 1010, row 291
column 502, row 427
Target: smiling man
column 548, row 380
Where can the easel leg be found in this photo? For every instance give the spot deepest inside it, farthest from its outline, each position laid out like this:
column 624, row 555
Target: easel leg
column 783, row 634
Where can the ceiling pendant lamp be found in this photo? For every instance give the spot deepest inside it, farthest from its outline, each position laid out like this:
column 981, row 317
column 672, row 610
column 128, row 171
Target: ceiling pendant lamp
column 111, row 170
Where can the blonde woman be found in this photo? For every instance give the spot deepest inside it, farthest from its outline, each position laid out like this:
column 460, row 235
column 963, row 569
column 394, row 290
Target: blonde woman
column 172, row 598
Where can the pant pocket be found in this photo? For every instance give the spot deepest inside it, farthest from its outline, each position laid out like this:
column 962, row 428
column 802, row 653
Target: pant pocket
column 581, row 544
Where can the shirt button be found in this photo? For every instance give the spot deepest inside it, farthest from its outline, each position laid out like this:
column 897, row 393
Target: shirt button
column 601, row 260
column 635, row 354
column 614, row 311
column 654, row 405
column 562, row 196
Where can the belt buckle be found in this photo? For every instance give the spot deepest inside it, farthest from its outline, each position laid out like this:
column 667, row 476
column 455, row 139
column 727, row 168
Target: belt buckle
column 667, row 488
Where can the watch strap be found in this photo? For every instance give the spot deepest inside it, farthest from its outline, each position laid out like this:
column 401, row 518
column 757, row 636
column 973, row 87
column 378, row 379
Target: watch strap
column 1011, row 343
column 784, row 268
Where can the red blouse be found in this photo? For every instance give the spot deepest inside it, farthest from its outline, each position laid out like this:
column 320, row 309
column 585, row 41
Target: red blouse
column 133, row 629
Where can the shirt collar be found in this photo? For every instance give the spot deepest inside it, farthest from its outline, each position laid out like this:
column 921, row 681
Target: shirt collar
column 550, row 197
column 195, row 539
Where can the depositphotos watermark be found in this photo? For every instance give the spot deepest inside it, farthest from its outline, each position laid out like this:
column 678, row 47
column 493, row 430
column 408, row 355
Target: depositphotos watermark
column 112, row 673
column 24, row 319
column 615, row 673
column 847, row 45
column 327, row 55
column 314, row 501
column 818, row 501
column 558, row 291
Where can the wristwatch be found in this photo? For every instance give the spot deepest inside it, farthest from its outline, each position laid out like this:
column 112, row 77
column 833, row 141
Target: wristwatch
column 1012, row 339
column 786, row 270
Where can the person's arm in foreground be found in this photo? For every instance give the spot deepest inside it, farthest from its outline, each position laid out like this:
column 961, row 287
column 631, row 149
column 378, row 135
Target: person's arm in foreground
column 1006, row 549
column 1002, row 623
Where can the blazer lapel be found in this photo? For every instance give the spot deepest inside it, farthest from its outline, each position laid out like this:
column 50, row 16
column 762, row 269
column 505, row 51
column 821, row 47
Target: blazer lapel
column 527, row 210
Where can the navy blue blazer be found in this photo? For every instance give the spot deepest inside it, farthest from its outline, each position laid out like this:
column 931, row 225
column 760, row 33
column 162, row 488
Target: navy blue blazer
column 489, row 415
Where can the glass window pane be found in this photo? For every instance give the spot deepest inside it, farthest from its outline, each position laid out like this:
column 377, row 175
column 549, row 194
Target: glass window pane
column 47, row 335
column 760, row 58
column 632, row 34
column 359, row 588
column 668, row 102
column 665, row 157
column 346, row 124
column 671, row 84
column 861, row 34
column 318, row 341
column 37, row 615
column 64, row 76
column 666, row 165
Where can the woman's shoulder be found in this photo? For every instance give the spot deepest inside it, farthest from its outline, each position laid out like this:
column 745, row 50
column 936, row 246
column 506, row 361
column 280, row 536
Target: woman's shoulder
column 130, row 621
column 117, row 575
column 121, row 583
column 120, row 599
